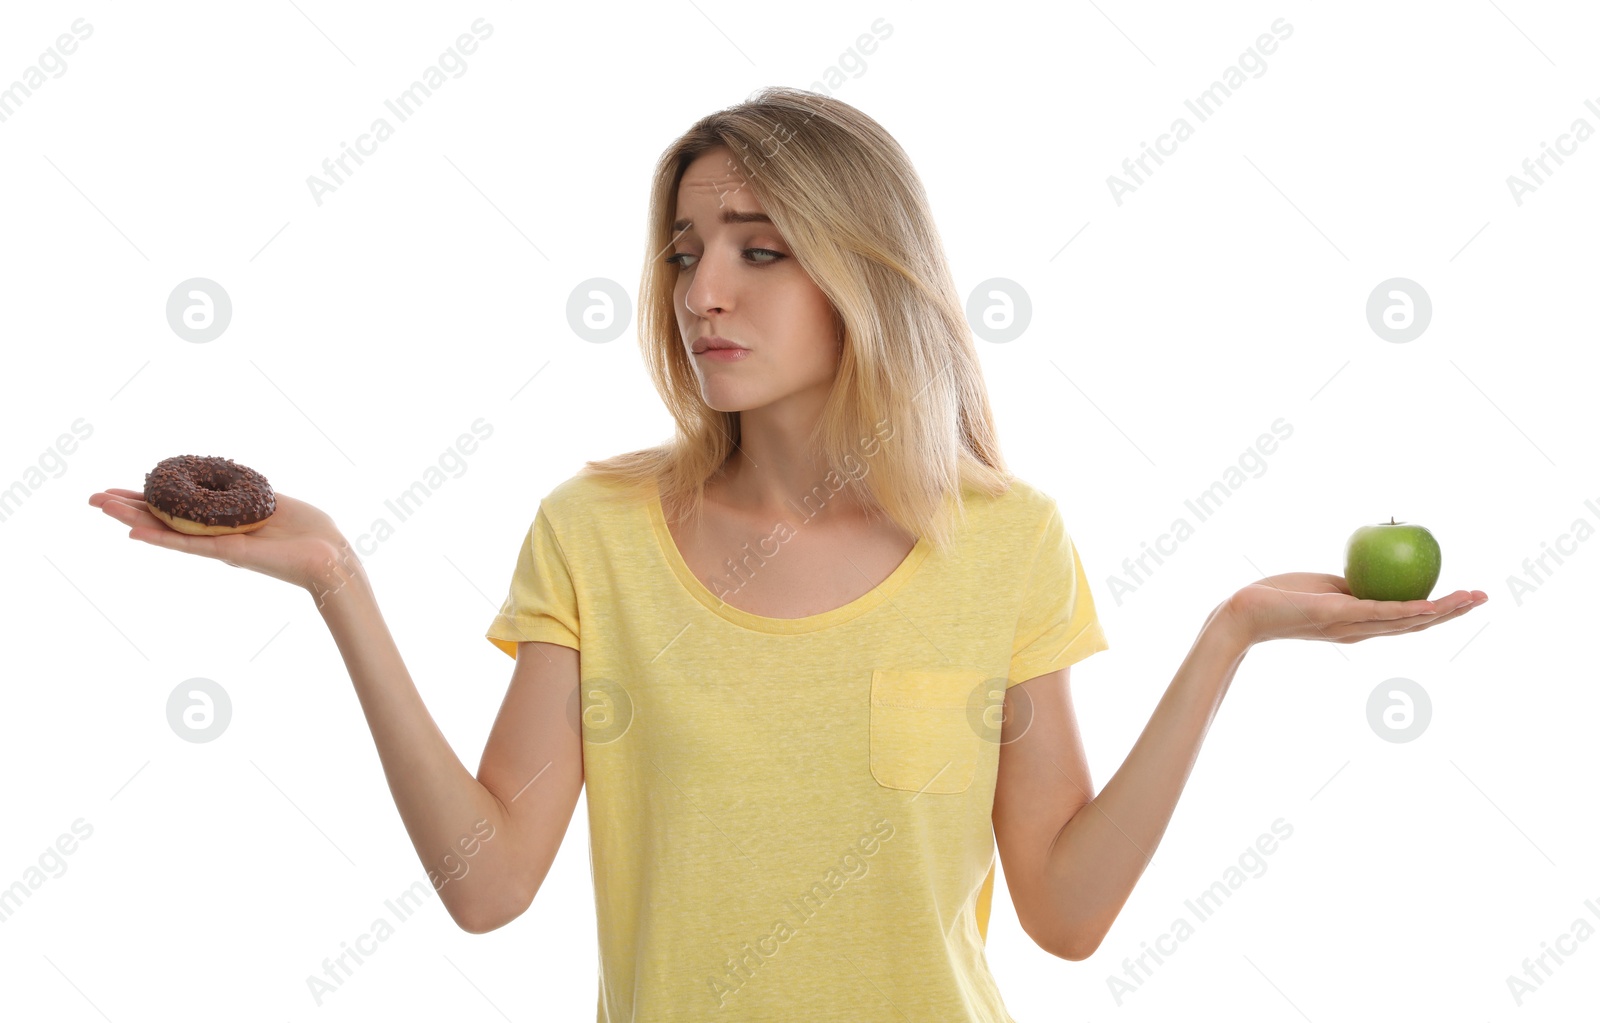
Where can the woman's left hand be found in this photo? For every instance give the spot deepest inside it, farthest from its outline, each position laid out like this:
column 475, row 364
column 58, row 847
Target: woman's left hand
column 1314, row 605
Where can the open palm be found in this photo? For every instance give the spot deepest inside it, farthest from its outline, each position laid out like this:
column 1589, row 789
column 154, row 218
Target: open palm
column 1315, row 605
column 299, row 544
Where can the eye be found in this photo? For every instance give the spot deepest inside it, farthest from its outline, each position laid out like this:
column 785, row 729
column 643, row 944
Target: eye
column 677, row 258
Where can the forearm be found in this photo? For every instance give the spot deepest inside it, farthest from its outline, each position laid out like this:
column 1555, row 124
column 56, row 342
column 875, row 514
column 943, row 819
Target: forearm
column 1100, row 853
column 446, row 810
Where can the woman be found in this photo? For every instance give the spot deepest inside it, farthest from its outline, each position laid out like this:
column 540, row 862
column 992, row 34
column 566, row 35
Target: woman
column 826, row 634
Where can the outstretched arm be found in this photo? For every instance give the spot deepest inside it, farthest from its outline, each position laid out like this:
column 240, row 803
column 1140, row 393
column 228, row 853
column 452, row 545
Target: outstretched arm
column 1076, row 882
column 1069, row 880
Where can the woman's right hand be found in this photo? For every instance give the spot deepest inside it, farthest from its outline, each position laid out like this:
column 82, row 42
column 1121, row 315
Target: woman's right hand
column 299, row 544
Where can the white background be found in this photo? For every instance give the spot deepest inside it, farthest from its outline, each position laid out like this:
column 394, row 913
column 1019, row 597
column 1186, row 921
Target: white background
column 368, row 332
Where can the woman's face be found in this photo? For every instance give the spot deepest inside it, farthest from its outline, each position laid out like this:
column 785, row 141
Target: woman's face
column 740, row 281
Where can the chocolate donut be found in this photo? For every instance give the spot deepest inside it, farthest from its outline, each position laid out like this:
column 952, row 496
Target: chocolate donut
column 207, row 496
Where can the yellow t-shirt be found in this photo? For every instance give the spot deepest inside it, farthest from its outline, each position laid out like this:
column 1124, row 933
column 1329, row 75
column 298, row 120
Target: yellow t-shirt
column 790, row 819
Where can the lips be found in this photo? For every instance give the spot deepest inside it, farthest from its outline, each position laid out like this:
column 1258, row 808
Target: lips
column 707, row 344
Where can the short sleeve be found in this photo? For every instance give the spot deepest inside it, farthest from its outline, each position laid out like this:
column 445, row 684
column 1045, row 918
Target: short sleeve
column 542, row 605
column 1057, row 625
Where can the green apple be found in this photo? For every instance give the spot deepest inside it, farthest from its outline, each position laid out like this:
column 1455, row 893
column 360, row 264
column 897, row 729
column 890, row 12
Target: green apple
column 1391, row 561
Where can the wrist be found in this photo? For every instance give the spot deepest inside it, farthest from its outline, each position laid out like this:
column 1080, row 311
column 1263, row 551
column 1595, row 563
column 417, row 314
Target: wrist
column 1229, row 628
column 341, row 572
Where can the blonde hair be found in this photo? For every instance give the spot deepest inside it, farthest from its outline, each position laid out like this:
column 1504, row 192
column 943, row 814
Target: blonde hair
column 909, row 391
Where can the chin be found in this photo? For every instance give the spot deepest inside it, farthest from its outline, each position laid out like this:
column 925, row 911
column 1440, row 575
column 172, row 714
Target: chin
column 725, row 399
column 726, row 406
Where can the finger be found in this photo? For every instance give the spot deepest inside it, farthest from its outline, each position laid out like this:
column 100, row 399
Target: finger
column 1393, row 610
column 110, row 492
column 1467, row 604
column 131, row 515
column 138, row 518
column 1436, row 619
column 1450, row 602
column 1396, row 626
column 162, row 536
column 114, row 508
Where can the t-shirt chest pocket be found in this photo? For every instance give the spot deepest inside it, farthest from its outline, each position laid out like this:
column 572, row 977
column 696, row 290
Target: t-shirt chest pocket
column 921, row 735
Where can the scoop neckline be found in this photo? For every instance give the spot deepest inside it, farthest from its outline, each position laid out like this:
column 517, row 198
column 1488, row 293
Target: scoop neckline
column 780, row 626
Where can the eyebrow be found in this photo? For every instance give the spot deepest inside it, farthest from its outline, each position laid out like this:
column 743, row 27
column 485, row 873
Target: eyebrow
column 728, row 217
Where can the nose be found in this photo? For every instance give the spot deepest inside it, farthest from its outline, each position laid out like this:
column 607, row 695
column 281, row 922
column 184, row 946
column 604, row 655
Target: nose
column 709, row 291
